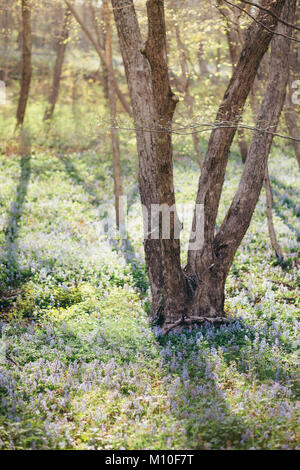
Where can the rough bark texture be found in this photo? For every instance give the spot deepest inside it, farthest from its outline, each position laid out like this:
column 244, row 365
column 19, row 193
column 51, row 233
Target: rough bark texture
column 199, row 294
column 243, row 205
column 60, row 55
column 26, row 61
column 164, row 103
column 141, row 94
column 206, row 266
column 235, row 41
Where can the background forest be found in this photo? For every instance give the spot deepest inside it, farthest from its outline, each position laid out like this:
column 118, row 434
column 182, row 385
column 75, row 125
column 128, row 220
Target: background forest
column 81, row 366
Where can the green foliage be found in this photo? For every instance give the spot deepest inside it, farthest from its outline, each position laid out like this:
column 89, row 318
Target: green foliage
column 87, row 371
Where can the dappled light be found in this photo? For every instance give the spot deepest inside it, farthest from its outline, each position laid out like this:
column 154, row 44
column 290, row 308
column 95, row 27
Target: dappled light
column 122, row 125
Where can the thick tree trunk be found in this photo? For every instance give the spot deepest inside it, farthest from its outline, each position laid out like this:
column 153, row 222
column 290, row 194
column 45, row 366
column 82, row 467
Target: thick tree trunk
column 199, row 294
column 60, row 55
column 141, row 94
column 238, row 218
column 164, row 106
column 26, row 61
column 235, row 40
column 257, row 40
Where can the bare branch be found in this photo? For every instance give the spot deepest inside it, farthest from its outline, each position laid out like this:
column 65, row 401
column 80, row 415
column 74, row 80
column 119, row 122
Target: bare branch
column 260, row 23
column 101, row 55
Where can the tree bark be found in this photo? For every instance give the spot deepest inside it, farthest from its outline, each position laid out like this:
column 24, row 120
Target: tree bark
column 118, row 191
column 164, row 107
column 139, row 81
column 188, row 98
column 257, row 40
column 243, row 205
column 26, row 61
column 199, row 293
column 60, row 55
column 291, row 117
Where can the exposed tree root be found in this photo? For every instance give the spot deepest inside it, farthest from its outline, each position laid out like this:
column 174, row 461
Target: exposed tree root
column 199, row 320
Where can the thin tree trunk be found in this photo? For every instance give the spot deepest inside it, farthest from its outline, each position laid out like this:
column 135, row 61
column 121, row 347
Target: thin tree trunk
column 269, row 203
column 7, row 21
column 141, row 94
column 61, row 49
column 291, row 119
column 235, row 42
column 188, row 98
column 26, row 61
column 202, row 64
column 101, row 54
column 120, row 216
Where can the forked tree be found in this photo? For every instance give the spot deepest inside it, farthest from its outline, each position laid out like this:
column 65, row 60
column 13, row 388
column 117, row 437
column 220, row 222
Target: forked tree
column 196, row 293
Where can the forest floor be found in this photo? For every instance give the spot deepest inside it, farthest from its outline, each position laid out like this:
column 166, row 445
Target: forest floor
column 80, row 368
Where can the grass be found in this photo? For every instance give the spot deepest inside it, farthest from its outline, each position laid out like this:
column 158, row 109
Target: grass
column 85, row 370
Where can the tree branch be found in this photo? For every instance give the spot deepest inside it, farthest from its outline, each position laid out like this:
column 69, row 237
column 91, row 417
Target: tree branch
column 101, row 55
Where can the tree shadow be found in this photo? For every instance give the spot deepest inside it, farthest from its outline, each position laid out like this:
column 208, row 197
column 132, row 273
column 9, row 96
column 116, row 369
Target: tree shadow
column 201, row 401
column 11, row 231
column 287, row 200
column 123, row 246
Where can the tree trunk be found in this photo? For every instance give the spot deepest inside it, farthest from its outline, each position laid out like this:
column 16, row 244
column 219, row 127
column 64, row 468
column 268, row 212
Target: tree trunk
column 209, row 267
column 257, row 40
column 269, row 210
column 202, row 64
column 26, row 61
column 164, row 106
column 61, row 49
column 291, row 117
column 188, row 98
column 120, row 216
column 7, row 25
column 199, row 294
column 141, row 94
column 238, row 217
